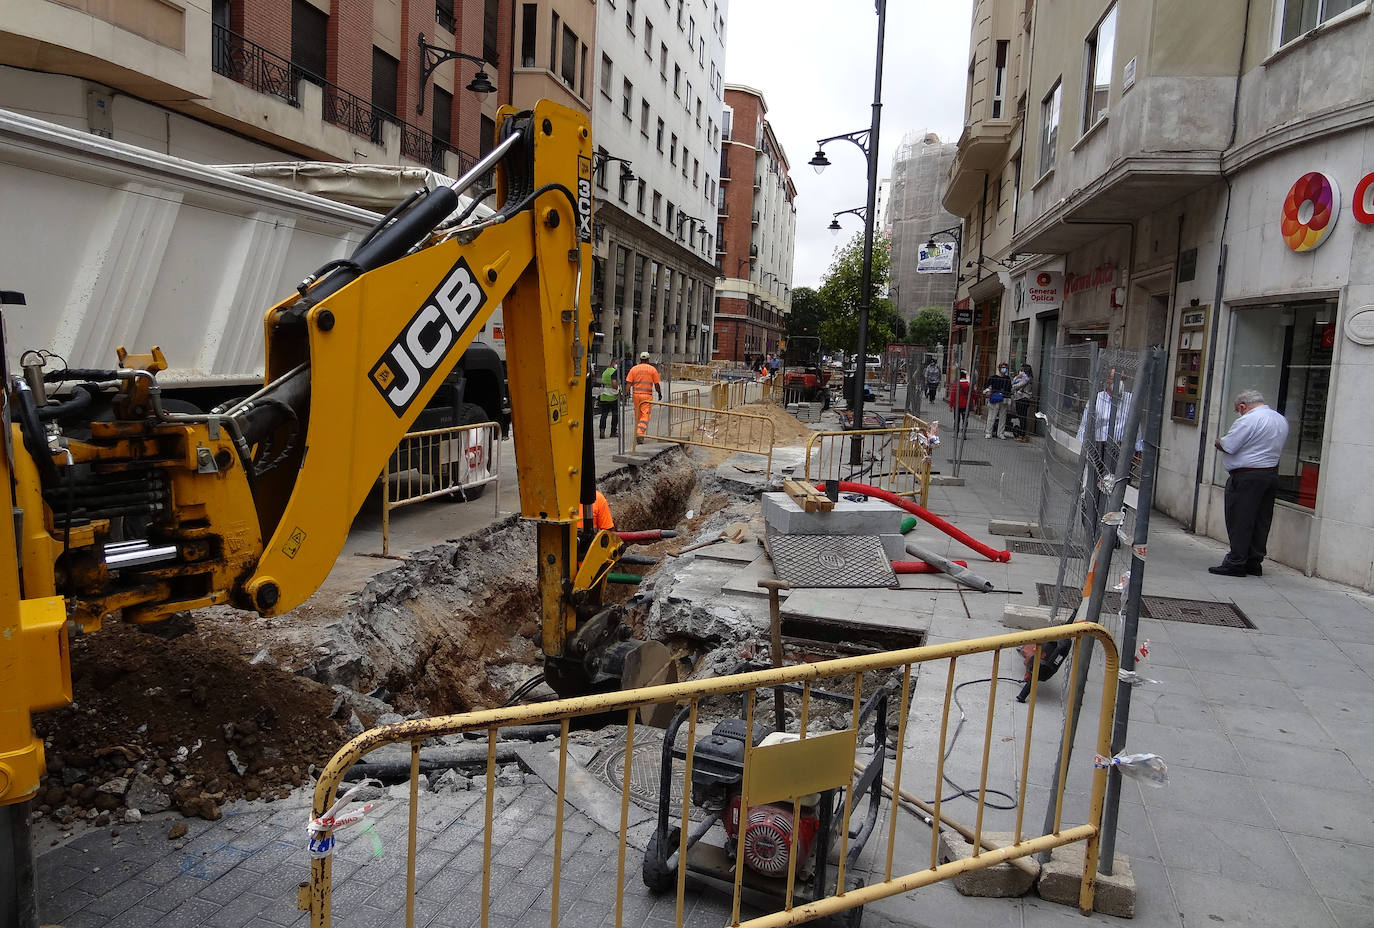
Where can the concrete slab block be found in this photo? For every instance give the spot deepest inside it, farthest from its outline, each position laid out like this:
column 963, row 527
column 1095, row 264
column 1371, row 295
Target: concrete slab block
column 1013, row 528
column 1026, row 617
column 729, row 552
column 880, row 610
column 1061, row 878
column 1005, row 880
column 945, row 480
column 871, row 517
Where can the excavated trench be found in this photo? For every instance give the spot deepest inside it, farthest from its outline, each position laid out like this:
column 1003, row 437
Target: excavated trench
column 456, row 627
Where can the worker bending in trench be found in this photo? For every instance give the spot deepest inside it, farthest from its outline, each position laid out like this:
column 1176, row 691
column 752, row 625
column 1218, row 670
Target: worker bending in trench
column 644, row 385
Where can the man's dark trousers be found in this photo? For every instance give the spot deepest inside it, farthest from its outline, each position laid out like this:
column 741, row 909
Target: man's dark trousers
column 610, row 409
column 1249, row 512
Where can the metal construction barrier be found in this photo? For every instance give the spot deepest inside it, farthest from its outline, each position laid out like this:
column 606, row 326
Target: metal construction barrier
column 458, row 461
column 896, row 459
column 727, row 394
column 857, row 817
column 712, row 428
column 689, row 397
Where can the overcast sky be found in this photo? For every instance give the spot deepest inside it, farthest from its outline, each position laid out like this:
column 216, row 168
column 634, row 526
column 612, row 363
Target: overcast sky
column 814, row 61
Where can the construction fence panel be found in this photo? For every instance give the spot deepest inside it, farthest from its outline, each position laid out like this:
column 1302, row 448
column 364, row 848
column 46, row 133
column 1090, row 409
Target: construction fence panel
column 688, row 397
column 894, row 459
column 712, row 428
column 825, row 824
column 1091, row 435
column 434, row 463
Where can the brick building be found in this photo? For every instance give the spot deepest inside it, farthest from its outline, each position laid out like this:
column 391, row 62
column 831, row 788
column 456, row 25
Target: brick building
column 756, row 231
column 259, row 80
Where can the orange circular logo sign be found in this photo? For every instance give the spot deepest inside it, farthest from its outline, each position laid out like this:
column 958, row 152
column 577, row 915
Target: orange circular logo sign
column 1310, row 211
column 1043, row 279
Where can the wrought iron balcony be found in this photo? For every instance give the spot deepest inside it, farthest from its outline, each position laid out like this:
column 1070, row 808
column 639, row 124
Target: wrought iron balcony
column 252, row 65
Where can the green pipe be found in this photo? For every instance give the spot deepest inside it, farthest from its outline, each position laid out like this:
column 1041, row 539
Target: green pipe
column 631, row 579
column 907, row 525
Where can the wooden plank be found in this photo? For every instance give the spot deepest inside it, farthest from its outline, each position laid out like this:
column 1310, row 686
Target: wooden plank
column 807, row 497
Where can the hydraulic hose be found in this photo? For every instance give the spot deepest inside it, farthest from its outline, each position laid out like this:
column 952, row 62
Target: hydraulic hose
column 916, row 509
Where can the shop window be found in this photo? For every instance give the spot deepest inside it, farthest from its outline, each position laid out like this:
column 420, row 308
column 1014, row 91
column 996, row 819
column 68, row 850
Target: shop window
column 1284, row 351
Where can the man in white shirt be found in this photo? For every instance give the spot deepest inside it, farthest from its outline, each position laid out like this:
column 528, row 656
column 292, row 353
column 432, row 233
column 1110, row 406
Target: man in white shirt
column 1250, row 453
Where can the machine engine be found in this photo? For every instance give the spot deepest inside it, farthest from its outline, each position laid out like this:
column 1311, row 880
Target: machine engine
column 770, row 834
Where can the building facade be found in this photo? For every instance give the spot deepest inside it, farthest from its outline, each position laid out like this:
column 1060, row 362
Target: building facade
column 914, row 212
column 262, row 80
column 1204, row 173
column 756, row 229
column 657, row 127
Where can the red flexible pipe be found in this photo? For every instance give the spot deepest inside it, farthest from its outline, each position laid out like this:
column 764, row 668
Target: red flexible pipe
column 648, row 536
column 919, row 567
column 920, row 512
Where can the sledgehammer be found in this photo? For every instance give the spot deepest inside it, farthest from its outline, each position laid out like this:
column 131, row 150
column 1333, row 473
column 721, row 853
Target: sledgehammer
column 956, row 573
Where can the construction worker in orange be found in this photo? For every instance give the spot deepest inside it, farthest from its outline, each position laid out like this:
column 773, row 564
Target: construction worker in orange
column 601, row 514
column 643, row 378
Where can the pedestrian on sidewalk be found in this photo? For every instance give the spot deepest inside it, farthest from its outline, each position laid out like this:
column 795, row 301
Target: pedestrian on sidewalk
column 960, row 399
column 1021, row 389
column 933, row 378
column 608, row 402
column 998, row 391
column 1250, row 453
column 644, row 382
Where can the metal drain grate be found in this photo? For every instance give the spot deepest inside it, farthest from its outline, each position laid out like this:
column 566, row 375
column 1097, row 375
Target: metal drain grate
column 1163, row 608
column 1045, row 548
column 831, row 560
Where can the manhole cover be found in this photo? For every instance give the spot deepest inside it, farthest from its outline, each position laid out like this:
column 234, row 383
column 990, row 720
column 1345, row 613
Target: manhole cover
column 1164, row 608
column 1045, row 548
column 831, row 560
column 1197, row 611
column 645, row 772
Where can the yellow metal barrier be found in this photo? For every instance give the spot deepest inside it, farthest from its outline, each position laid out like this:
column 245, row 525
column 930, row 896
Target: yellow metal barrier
column 711, row 428
column 897, row 459
column 452, row 462
column 688, row 397
column 785, row 773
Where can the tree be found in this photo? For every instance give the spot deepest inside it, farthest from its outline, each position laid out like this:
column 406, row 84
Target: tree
column 808, row 312
column 930, row 327
column 841, row 291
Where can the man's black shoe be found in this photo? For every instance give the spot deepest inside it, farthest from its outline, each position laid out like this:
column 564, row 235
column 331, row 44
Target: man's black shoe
column 1254, row 570
column 1226, row 571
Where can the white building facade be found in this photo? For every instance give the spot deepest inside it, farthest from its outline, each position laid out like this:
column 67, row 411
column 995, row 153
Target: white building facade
column 656, row 123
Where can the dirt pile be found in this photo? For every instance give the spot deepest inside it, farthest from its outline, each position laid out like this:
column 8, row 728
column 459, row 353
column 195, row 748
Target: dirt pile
column 174, row 717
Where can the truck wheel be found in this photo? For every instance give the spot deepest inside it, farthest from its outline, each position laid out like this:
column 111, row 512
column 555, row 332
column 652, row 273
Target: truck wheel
column 469, row 414
column 657, row 876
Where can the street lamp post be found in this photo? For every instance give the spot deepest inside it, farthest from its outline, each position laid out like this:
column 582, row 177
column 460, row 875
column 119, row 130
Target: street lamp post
column 867, row 141
column 431, row 56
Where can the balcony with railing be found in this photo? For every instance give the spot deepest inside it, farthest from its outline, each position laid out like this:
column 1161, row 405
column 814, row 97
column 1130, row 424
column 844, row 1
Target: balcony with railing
column 248, row 63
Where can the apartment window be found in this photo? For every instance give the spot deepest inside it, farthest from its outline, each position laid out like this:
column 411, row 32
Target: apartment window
column 727, row 122
column 529, row 17
column 648, row 39
column 1049, row 127
column 672, row 150
column 629, row 90
column 1097, row 81
column 658, row 206
column 624, row 187
column 606, row 70
column 999, row 78
column 691, row 31
column 1302, row 16
column 677, row 80
column 679, row 14
column 441, row 124
column 630, row 22
column 384, row 74
column 668, row 217
column 491, row 32
column 658, row 139
column 698, row 105
column 582, row 72
column 701, row 52
column 644, row 118
column 443, row 14
column 687, row 97
column 569, row 69
column 696, row 171
column 639, row 197
column 663, row 61
column 309, row 28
